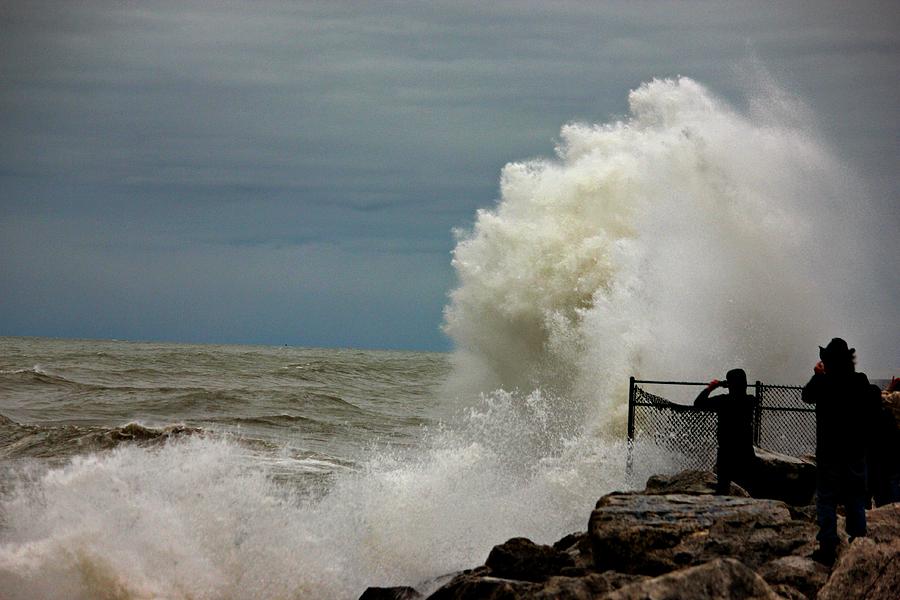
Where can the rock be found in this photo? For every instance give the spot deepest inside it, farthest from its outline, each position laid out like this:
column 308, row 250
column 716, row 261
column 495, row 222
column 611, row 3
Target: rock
column 652, row 535
column 884, row 522
column 866, row 570
column 788, row 592
column 782, row 477
column 522, row 559
column 475, row 586
column 720, row 579
column 689, row 482
column 390, row 593
column 577, row 546
column 801, row 573
column 472, row 586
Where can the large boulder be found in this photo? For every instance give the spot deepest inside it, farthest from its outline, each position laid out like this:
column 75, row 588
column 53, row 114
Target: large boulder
column 782, row 477
column 799, row 572
column 520, row 558
column 884, row 523
column 481, row 586
column 689, row 482
column 578, row 547
column 720, row 579
column 390, row 593
column 652, row 535
column 866, row 570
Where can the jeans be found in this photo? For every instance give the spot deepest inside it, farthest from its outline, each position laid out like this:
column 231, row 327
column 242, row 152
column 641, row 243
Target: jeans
column 842, row 482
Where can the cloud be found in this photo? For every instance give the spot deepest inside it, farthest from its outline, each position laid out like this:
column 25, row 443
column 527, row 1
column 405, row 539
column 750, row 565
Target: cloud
column 371, row 126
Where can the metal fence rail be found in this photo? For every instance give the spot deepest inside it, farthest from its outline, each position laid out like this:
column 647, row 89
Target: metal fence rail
column 782, row 423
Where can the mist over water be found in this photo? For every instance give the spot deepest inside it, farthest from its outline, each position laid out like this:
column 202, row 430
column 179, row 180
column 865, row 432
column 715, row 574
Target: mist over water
column 683, row 240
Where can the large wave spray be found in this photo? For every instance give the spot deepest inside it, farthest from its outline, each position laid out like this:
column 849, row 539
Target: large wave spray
column 678, row 243
column 684, row 240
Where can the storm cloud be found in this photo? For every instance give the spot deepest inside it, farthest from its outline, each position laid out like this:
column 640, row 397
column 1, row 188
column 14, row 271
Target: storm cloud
column 291, row 172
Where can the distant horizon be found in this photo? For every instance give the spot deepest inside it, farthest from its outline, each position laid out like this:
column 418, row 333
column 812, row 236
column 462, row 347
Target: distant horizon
column 881, row 378
column 211, row 343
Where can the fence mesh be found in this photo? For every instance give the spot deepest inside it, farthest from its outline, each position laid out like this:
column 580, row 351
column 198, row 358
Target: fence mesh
column 783, row 423
column 786, row 423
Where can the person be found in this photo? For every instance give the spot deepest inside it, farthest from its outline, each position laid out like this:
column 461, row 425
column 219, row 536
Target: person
column 735, row 457
column 883, row 458
column 843, row 420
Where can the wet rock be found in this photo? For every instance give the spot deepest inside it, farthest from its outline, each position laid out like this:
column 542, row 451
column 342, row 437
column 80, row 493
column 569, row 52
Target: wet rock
column 782, row 477
column 390, row 593
column 866, row 570
column 720, row 579
column 689, row 482
column 522, row 559
column 656, row 534
column 474, row 586
column 801, row 573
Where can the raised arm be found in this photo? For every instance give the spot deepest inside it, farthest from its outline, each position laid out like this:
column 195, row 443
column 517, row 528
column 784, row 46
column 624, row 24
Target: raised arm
column 812, row 391
column 704, row 401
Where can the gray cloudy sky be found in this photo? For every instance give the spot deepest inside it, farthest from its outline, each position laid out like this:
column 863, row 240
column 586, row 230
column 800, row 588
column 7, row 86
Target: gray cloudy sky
column 290, row 172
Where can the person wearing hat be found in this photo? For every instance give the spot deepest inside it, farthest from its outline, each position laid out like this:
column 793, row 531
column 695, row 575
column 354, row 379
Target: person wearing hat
column 735, row 458
column 844, row 418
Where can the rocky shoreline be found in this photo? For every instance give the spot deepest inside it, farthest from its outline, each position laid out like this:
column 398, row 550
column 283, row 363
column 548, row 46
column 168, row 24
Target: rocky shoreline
column 677, row 540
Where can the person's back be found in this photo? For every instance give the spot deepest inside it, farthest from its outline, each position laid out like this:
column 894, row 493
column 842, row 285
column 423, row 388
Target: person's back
column 735, row 410
column 843, row 412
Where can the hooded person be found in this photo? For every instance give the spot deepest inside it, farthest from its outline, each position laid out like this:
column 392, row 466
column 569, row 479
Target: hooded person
column 844, row 421
column 735, row 458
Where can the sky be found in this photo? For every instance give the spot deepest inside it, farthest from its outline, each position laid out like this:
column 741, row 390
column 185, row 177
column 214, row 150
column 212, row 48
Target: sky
column 292, row 172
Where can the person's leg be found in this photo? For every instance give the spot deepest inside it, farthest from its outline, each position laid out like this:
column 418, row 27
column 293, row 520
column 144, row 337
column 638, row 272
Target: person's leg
column 827, row 487
column 854, row 487
column 724, row 474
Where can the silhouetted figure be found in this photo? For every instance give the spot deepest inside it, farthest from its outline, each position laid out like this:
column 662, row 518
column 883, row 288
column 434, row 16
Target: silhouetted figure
column 735, row 458
column 883, row 459
column 843, row 423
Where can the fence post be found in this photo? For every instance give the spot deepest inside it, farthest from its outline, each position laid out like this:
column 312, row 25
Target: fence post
column 629, row 461
column 757, row 414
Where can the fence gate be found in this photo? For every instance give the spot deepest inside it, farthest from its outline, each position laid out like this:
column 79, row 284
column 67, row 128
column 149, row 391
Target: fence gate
column 782, row 423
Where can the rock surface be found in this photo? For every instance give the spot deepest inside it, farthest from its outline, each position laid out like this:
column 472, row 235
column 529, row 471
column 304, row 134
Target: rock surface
column 655, row 534
column 866, row 570
column 781, row 477
column 520, row 558
column 803, row 574
column 390, row 593
column 720, row 579
column 690, row 482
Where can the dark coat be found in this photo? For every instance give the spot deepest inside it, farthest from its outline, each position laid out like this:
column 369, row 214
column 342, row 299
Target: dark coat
column 735, row 418
column 845, row 414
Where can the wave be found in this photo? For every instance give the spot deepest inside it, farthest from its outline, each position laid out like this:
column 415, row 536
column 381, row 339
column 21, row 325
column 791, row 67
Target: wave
column 680, row 242
column 61, row 441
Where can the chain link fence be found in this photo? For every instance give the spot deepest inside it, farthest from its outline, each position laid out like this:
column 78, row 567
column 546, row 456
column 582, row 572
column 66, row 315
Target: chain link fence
column 782, row 423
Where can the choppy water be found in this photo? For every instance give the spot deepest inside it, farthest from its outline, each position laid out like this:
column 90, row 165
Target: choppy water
column 142, row 470
column 321, row 408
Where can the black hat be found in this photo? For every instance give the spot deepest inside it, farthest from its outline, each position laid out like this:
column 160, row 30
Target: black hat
column 836, row 349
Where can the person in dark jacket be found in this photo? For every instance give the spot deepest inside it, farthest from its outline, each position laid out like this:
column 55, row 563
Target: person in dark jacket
column 735, row 458
column 843, row 422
